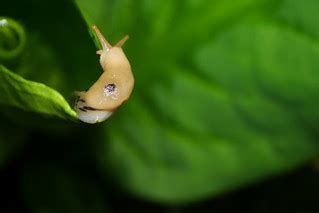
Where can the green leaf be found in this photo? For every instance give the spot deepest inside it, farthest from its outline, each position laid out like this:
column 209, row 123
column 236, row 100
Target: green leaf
column 226, row 94
column 60, row 56
column 18, row 92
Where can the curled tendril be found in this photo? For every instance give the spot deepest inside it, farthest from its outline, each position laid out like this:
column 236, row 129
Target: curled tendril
column 12, row 38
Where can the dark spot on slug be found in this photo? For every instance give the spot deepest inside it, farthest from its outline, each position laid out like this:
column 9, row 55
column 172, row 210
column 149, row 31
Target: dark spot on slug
column 89, row 108
column 110, row 88
column 82, row 100
column 82, row 109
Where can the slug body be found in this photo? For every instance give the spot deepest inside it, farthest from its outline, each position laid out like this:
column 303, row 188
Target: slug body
column 114, row 86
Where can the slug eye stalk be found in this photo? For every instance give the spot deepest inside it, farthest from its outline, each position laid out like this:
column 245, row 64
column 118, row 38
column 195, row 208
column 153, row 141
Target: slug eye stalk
column 122, row 41
column 105, row 44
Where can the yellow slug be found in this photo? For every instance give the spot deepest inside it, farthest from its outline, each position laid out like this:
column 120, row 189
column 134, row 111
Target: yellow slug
column 114, row 86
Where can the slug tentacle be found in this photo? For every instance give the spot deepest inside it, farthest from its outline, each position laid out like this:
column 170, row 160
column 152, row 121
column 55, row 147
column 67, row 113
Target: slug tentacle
column 105, row 44
column 112, row 89
column 122, row 41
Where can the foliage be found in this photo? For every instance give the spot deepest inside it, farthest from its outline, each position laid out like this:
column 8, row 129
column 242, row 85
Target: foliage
column 226, row 91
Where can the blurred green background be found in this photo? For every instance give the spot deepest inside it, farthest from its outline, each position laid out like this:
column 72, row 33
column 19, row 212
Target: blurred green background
column 224, row 115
